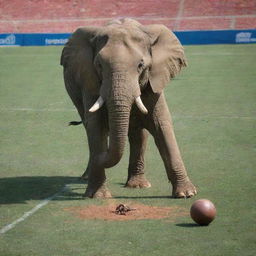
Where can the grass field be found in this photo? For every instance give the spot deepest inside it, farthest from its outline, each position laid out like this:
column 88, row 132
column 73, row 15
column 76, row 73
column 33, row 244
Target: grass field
column 213, row 103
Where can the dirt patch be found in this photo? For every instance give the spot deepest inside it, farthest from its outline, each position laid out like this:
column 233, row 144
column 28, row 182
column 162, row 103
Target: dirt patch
column 138, row 212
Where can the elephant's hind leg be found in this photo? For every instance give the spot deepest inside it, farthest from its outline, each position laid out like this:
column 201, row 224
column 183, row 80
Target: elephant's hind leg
column 136, row 174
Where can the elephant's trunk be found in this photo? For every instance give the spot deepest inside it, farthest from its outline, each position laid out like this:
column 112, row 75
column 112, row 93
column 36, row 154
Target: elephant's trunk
column 118, row 131
column 119, row 102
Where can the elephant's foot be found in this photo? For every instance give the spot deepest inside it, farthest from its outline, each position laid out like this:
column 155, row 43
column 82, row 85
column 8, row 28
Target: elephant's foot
column 184, row 189
column 138, row 181
column 97, row 191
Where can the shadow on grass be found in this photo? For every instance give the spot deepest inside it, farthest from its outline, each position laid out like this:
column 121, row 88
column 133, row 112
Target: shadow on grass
column 15, row 190
column 142, row 197
column 188, row 225
column 25, row 188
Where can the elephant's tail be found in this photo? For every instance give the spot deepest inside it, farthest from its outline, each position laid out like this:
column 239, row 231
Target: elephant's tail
column 75, row 123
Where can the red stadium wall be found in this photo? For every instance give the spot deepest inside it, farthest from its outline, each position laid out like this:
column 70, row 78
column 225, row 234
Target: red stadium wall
column 57, row 16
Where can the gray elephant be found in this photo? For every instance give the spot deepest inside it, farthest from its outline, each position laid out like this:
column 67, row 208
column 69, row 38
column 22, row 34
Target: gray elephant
column 115, row 76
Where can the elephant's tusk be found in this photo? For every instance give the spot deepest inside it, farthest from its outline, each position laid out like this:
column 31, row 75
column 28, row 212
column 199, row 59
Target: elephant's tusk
column 97, row 105
column 140, row 105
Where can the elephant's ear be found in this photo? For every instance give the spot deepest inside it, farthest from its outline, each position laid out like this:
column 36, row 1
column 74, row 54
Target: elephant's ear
column 78, row 54
column 167, row 56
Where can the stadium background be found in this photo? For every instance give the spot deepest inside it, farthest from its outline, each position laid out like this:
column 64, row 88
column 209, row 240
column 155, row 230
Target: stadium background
column 213, row 108
column 64, row 16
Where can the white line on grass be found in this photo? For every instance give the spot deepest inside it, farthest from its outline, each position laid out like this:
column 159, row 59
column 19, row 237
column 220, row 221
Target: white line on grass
column 215, row 117
column 32, row 211
column 37, row 109
column 174, row 116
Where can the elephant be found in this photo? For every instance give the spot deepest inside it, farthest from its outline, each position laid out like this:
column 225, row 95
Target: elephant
column 115, row 75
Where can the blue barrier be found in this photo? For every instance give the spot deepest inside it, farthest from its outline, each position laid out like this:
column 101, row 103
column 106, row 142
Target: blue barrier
column 186, row 38
column 33, row 39
column 217, row 37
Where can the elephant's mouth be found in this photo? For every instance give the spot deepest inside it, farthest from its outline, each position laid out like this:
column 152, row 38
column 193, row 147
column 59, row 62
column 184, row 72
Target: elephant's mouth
column 143, row 79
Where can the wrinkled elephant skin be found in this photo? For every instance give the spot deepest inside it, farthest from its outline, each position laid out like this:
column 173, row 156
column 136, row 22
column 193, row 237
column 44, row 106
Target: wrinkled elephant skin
column 115, row 76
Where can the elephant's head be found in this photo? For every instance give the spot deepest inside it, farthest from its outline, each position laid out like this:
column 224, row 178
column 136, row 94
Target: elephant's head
column 121, row 60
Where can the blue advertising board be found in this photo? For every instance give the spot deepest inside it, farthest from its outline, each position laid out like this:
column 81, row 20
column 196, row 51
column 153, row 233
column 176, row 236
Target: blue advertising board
column 33, row 39
column 217, row 37
column 186, row 38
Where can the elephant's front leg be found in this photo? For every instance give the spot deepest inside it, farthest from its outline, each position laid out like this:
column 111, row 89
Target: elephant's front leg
column 97, row 140
column 164, row 136
column 138, row 140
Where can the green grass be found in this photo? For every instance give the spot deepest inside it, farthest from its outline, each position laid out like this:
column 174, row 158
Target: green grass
column 213, row 103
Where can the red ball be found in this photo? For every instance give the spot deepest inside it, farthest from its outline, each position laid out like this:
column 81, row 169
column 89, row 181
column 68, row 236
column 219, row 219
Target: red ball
column 203, row 212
